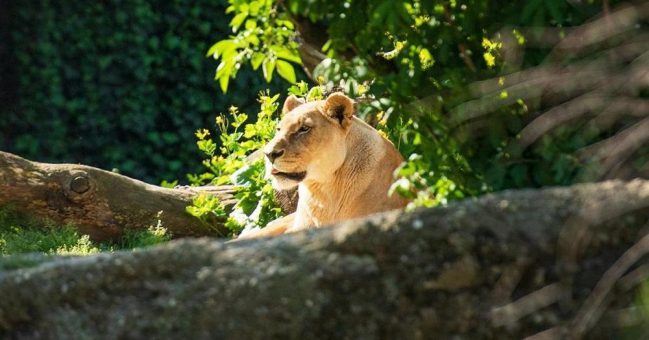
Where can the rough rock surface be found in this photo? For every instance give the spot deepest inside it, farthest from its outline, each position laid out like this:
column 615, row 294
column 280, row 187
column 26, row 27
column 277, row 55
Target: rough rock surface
column 502, row 266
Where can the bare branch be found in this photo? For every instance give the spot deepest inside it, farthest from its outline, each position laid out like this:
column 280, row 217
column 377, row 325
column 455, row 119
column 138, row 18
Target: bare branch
column 593, row 307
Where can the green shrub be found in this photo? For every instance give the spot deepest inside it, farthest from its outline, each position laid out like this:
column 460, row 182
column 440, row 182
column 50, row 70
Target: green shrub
column 231, row 163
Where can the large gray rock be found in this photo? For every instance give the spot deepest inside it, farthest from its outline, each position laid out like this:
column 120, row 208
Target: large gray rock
column 508, row 265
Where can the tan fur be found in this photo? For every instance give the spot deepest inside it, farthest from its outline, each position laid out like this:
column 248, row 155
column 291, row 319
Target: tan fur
column 348, row 165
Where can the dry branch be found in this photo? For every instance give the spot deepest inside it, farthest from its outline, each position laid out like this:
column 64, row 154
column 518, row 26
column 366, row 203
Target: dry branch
column 100, row 203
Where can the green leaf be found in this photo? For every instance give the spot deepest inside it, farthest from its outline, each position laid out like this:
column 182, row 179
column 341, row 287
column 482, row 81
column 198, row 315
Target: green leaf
column 268, row 66
column 256, row 60
column 326, row 46
column 221, row 48
column 286, row 23
column 286, row 54
column 286, row 71
column 237, row 21
column 223, row 73
column 170, row 185
column 223, row 82
column 299, row 89
column 316, row 93
column 250, row 24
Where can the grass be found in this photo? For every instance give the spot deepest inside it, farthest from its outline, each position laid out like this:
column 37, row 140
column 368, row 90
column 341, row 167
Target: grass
column 21, row 235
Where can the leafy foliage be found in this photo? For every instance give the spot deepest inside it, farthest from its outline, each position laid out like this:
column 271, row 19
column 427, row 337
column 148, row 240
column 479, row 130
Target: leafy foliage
column 232, row 163
column 118, row 84
column 419, row 57
column 263, row 38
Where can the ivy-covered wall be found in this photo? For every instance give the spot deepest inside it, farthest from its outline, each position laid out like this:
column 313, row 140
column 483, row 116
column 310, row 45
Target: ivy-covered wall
column 114, row 84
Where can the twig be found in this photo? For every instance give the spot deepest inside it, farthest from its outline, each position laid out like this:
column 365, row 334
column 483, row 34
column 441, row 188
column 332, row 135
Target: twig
column 548, row 334
column 509, row 279
column 528, row 304
column 599, row 30
column 559, row 115
column 634, row 278
column 592, row 308
column 465, row 57
column 619, row 147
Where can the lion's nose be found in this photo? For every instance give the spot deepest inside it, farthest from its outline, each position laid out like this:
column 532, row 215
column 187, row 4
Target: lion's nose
column 273, row 155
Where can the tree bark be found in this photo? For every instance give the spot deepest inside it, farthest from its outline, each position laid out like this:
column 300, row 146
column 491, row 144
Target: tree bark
column 100, row 203
column 311, row 39
column 551, row 263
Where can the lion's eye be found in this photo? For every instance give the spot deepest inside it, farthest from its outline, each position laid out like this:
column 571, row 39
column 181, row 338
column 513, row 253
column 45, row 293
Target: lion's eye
column 277, row 129
column 304, row 129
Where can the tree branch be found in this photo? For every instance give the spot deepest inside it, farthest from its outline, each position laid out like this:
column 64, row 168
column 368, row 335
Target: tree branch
column 99, row 203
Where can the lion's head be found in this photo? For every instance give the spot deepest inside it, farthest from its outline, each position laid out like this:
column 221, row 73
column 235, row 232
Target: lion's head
column 310, row 140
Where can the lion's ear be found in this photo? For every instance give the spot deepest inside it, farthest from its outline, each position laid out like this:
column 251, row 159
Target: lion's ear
column 291, row 103
column 339, row 107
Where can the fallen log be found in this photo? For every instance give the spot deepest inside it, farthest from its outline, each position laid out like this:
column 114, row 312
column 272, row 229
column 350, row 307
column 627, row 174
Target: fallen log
column 100, row 203
column 551, row 263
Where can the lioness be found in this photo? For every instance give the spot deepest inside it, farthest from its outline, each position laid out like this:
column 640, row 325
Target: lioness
column 341, row 166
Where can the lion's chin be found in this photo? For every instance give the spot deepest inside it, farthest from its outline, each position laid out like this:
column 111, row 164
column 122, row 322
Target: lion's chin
column 287, row 180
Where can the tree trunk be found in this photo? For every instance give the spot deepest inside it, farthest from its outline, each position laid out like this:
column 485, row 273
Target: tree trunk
column 552, row 263
column 99, row 203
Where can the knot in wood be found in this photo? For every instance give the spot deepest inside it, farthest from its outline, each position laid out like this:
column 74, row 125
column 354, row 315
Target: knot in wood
column 79, row 184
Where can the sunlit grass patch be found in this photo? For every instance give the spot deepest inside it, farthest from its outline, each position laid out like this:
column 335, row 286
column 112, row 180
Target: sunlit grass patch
column 143, row 238
column 48, row 239
column 20, row 235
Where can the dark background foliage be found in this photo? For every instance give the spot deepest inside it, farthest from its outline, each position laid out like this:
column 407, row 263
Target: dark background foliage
column 114, row 84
